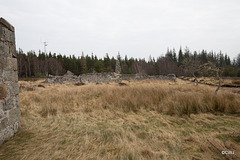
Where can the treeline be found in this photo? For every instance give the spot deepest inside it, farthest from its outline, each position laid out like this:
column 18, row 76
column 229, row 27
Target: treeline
column 31, row 64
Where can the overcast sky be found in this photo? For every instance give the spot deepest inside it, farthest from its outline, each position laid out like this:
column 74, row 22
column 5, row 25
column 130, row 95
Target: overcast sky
column 136, row 28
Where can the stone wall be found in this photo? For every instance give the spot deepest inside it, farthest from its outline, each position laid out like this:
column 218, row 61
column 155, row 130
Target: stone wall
column 105, row 77
column 85, row 78
column 68, row 77
column 9, row 91
column 142, row 77
column 118, row 67
column 100, row 77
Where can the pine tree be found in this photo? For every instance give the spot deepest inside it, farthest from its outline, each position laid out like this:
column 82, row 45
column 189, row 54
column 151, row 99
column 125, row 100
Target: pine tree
column 203, row 57
column 99, row 66
column 174, row 55
column 195, row 55
column 83, row 64
column 169, row 54
column 238, row 60
column 221, row 60
column 180, row 56
column 107, row 63
column 187, row 53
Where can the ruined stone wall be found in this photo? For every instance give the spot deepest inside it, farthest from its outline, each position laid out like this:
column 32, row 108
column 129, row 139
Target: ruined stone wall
column 68, row 77
column 100, row 77
column 9, row 91
column 85, row 78
column 142, row 77
column 105, row 77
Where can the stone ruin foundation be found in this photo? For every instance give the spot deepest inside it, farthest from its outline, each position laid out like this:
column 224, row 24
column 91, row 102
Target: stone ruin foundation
column 105, row 77
column 85, row 78
column 9, row 91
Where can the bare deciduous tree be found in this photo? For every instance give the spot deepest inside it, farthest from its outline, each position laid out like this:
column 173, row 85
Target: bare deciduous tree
column 191, row 66
column 209, row 69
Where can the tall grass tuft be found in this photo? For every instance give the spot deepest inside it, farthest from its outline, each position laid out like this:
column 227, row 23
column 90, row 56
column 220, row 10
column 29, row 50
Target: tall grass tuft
column 150, row 95
column 108, row 121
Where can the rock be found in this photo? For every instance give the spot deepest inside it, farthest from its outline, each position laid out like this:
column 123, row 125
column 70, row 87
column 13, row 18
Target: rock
column 79, row 84
column 9, row 90
column 122, row 84
column 41, row 86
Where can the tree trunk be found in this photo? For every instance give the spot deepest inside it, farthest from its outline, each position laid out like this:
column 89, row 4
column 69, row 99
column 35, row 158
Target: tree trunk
column 219, row 84
column 196, row 80
column 29, row 67
column 26, row 73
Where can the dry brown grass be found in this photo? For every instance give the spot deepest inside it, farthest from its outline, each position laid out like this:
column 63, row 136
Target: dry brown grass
column 143, row 120
column 225, row 81
column 236, row 82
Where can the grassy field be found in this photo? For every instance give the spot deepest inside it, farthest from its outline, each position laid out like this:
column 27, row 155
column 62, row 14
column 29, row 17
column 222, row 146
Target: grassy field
column 148, row 119
column 225, row 81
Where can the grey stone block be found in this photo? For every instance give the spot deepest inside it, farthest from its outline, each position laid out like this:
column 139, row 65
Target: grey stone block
column 10, row 76
column 1, row 104
column 3, row 123
column 4, row 49
column 9, row 90
column 2, row 114
column 6, row 35
column 10, row 103
column 12, row 50
column 14, row 89
column 13, row 64
column 5, row 23
column 14, row 116
column 8, row 64
column 8, row 132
